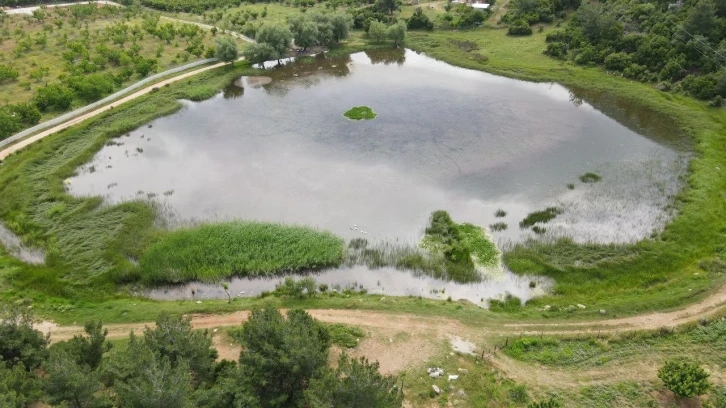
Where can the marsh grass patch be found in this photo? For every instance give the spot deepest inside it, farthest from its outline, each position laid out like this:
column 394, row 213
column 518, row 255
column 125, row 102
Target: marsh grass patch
column 211, row 252
column 590, row 178
column 498, row 226
column 540, row 217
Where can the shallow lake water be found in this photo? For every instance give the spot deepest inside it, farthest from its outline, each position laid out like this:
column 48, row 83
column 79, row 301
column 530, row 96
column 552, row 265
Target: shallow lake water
column 15, row 247
column 383, row 281
column 278, row 149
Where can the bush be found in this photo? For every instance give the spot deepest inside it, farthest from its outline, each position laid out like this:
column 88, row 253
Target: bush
column 519, row 27
column 716, row 102
column 701, row 87
column 377, row 32
column 586, row 55
column 419, row 21
column 618, row 61
column 556, row 50
column 53, row 96
column 686, row 379
column 7, row 72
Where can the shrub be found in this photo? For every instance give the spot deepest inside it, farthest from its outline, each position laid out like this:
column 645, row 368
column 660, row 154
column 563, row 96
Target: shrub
column 686, row 379
column 519, row 27
column 7, row 73
column 716, row 102
column 586, row 55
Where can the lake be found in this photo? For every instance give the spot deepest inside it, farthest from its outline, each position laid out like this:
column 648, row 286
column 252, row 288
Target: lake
column 278, row 148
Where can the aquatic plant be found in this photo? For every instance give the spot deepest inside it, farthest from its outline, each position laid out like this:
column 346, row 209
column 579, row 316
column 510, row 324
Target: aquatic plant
column 590, row 178
column 544, row 216
column 500, row 213
column 210, row 252
column 360, row 113
column 539, row 230
column 570, row 186
column 498, row 226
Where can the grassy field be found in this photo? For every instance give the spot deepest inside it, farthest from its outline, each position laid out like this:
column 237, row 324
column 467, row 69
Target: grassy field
column 212, row 252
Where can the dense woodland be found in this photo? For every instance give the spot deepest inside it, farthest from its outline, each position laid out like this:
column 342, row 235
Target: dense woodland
column 679, row 46
column 284, row 364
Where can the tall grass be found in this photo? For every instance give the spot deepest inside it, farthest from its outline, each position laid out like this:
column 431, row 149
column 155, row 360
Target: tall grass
column 211, row 252
column 541, row 217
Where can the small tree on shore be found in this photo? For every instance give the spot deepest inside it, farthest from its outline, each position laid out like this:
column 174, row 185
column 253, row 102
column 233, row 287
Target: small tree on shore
column 397, row 33
column 276, row 36
column 259, row 53
column 377, row 32
column 226, row 50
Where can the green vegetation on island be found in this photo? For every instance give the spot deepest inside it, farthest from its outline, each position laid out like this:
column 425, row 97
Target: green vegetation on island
column 464, row 247
column 360, row 113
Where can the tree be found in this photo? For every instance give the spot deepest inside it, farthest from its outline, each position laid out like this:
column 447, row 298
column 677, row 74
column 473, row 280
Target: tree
column 174, row 339
column 70, row 382
column 354, row 384
column 702, row 19
column 27, row 113
column 276, row 36
column 144, row 66
column 280, row 357
column 20, row 342
column 340, row 23
column 158, row 383
column 686, row 379
column 377, row 32
column 225, row 49
column 419, row 21
column 18, row 388
column 9, row 124
column 88, row 350
column 397, row 33
column 306, row 35
column 387, row 6
column 92, row 87
column 259, row 53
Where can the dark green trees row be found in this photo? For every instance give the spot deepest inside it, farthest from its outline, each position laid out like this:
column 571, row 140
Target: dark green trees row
column 682, row 46
column 284, row 364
